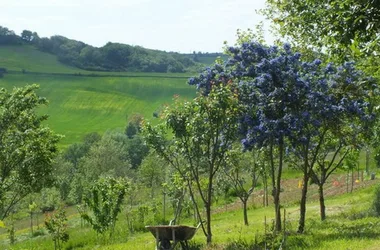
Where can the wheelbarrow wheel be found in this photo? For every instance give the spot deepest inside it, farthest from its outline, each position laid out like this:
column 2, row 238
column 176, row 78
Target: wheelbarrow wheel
column 165, row 245
column 184, row 245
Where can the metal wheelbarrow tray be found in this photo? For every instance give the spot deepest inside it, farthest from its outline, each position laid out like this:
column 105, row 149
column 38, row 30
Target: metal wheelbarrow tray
column 175, row 233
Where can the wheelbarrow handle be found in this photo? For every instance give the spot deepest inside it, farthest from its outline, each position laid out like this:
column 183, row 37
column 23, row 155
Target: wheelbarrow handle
column 200, row 223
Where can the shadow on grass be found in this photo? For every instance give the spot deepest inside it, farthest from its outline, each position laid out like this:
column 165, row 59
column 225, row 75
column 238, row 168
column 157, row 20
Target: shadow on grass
column 71, row 246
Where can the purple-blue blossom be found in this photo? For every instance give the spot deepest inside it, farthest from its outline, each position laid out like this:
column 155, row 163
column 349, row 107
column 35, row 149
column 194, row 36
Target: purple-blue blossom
column 287, row 99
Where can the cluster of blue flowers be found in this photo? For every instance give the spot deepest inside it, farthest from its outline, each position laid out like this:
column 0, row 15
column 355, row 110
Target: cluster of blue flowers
column 287, row 99
column 211, row 76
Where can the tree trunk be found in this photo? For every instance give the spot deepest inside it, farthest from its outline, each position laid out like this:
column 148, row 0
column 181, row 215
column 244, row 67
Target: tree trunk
column 31, row 222
column 164, row 205
column 266, row 203
column 208, row 208
column 301, row 224
column 276, row 200
column 278, row 189
column 352, row 180
column 322, row 202
column 265, row 189
column 208, row 217
column 367, row 155
column 276, row 185
column 245, row 212
column 264, row 197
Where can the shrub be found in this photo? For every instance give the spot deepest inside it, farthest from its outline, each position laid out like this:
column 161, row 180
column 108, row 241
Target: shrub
column 105, row 200
column 56, row 225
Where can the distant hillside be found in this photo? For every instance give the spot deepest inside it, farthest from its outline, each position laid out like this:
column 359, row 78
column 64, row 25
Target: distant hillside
column 28, row 58
column 113, row 57
column 80, row 105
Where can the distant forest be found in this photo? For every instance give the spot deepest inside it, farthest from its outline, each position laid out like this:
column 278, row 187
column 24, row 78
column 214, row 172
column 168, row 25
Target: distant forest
column 111, row 57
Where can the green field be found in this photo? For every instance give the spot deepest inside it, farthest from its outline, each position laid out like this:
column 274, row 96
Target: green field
column 80, row 105
column 84, row 104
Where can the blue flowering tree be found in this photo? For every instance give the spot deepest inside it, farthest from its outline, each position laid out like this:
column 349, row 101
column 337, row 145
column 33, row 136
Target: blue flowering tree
column 299, row 110
column 266, row 80
column 328, row 124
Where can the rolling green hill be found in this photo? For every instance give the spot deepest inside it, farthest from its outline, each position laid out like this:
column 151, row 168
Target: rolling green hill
column 27, row 57
column 84, row 104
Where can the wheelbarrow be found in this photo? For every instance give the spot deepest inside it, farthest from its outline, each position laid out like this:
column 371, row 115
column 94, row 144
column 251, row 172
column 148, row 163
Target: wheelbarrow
column 168, row 236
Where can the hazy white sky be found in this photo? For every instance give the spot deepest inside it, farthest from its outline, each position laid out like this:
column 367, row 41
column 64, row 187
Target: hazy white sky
column 171, row 25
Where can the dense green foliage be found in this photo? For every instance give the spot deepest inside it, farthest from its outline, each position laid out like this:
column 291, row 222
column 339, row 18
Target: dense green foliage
column 8, row 37
column 110, row 155
column 344, row 27
column 27, row 148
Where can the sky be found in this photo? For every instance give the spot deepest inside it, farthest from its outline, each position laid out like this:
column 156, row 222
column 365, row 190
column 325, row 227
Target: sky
column 171, row 25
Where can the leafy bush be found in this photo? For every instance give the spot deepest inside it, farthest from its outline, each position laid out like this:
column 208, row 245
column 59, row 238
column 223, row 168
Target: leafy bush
column 105, row 200
column 56, row 224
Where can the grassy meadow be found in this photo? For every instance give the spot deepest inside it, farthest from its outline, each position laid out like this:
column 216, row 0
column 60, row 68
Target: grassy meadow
column 82, row 104
column 30, row 59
